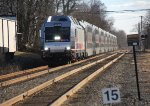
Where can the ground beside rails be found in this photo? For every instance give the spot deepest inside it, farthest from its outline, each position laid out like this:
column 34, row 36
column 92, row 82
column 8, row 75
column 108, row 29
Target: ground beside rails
column 8, row 92
column 58, row 91
column 122, row 75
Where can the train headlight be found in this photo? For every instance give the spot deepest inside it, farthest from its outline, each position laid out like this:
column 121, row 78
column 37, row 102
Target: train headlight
column 57, row 38
column 68, row 48
column 46, row 48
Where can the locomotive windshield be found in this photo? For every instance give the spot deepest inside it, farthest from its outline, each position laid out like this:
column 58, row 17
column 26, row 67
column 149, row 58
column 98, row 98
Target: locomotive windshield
column 57, row 34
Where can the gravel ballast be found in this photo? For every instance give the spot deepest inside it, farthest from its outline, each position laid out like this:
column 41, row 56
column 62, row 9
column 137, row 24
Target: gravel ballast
column 51, row 93
column 11, row 91
column 121, row 75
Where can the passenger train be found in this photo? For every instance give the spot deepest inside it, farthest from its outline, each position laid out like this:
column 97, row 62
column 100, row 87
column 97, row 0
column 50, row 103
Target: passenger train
column 67, row 38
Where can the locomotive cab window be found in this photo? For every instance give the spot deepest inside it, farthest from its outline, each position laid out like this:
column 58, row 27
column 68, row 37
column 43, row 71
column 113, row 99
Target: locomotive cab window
column 57, row 34
column 58, row 18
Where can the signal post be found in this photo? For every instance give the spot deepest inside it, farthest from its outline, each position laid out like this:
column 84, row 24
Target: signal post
column 133, row 40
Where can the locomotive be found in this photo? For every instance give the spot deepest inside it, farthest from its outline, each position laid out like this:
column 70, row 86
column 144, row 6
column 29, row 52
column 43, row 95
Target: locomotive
column 67, row 38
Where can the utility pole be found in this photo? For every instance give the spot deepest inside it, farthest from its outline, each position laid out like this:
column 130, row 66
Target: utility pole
column 141, row 23
column 136, row 73
column 139, row 31
column 142, row 34
column 133, row 40
column 139, row 28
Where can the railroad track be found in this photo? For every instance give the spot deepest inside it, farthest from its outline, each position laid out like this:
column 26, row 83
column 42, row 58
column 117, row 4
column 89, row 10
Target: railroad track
column 87, row 64
column 17, row 83
column 16, row 77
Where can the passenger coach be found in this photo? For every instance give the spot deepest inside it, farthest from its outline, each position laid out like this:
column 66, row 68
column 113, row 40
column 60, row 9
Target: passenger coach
column 63, row 37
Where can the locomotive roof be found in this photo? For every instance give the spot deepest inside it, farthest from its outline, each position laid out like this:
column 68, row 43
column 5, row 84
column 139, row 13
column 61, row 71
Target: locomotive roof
column 62, row 18
column 58, row 18
column 82, row 23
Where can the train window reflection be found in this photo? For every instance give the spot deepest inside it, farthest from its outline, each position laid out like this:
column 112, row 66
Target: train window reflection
column 51, row 33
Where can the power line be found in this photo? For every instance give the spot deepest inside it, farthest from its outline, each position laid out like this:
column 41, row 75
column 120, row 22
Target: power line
column 126, row 18
column 121, row 11
column 124, row 11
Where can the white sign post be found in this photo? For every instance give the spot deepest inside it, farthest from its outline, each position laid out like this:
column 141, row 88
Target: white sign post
column 111, row 95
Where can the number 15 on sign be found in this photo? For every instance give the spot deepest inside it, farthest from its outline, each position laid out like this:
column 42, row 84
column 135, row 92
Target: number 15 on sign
column 111, row 95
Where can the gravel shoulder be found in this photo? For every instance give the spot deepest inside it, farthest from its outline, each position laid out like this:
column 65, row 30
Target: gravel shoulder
column 121, row 75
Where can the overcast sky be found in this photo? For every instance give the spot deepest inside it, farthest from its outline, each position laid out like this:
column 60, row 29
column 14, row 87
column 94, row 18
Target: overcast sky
column 126, row 21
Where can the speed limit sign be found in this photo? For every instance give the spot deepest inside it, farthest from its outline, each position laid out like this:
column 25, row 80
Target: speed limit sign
column 111, row 95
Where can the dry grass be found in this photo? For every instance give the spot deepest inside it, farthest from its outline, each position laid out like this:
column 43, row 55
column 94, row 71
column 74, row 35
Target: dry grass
column 21, row 61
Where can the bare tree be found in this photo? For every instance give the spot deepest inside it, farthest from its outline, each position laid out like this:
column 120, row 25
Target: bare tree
column 30, row 15
column 95, row 13
column 65, row 7
column 57, row 4
column 8, row 7
column 146, row 28
column 121, row 38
